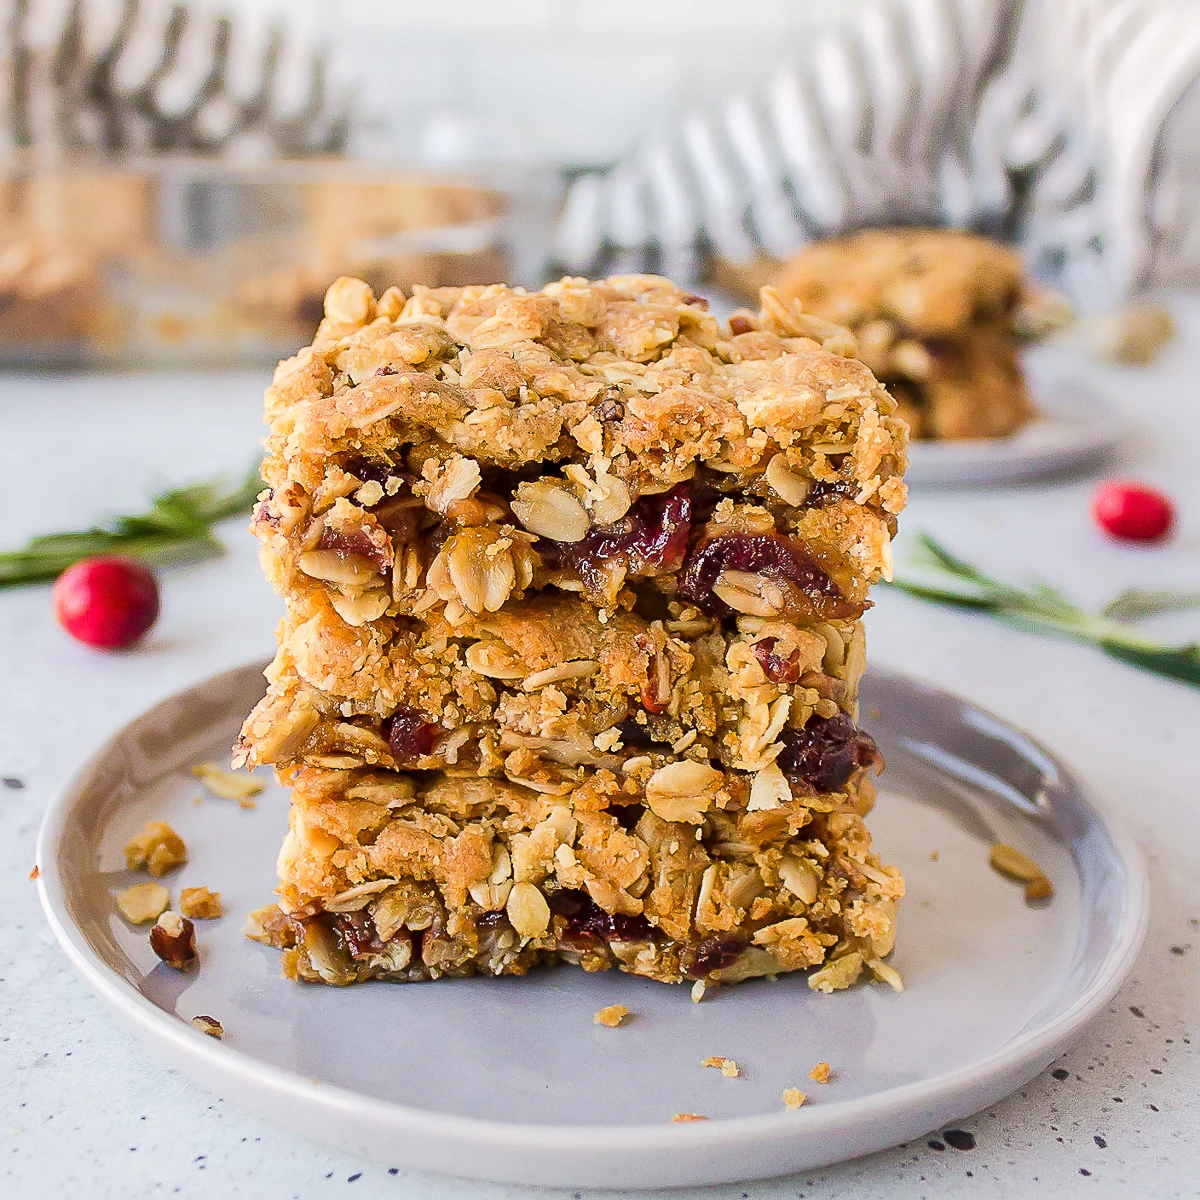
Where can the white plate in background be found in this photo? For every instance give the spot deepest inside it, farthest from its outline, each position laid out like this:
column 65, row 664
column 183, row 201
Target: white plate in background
column 509, row 1079
column 1075, row 427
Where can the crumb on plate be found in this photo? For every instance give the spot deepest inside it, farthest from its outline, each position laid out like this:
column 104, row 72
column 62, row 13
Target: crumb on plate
column 612, row 1016
column 727, row 1066
column 143, row 903
column 793, row 1097
column 199, row 902
column 1013, row 864
column 209, row 1025
column 679, row 1118
column 820, row 1073
column 157, row 849
column 226, row 785
column 173, row 939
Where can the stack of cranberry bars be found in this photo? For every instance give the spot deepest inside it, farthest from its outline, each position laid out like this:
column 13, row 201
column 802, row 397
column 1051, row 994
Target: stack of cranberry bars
column 568, row 668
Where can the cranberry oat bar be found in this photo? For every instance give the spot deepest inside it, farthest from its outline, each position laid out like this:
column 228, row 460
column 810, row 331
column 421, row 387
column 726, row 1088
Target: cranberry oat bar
column 934, row 312
column 571, row 648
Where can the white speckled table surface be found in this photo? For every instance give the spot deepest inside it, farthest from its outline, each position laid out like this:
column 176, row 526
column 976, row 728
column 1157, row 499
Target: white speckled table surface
column 87, row 1110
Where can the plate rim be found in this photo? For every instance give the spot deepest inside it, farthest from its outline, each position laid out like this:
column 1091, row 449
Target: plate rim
column 219, row 1060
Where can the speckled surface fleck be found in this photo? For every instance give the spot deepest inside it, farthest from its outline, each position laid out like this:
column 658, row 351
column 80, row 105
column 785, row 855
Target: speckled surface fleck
column 88, row 1111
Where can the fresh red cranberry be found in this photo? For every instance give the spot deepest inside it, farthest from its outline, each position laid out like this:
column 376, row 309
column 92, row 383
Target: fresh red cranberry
column 108, row 601
column 762, row 553
column 409, row 734
column 1133, row 512
column 777, row 668
column 825, row 752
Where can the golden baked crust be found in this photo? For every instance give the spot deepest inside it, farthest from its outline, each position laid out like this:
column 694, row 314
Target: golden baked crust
column 933, row 311
column 573, row 582
column 387, row 877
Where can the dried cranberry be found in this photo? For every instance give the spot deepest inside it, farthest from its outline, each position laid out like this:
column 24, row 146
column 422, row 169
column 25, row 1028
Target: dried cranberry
column 652, row 537
column 409, row 734
column 358, row 933
column 825, row 489
column 437, row 537
column 376, row 470
column 740, row 324
column 490, row 920
column 763, row 553
column 825, row 752
column 777, row 668
column 637, row 736
column 695, row 301
column 715, row 954
column 586, row 919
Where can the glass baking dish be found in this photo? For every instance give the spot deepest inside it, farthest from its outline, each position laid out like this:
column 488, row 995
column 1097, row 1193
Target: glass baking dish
column 193, row 262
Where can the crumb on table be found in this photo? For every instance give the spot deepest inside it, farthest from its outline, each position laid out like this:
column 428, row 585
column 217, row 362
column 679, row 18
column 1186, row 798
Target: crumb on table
column 820, row 1073
column 793, row 1097
column 612, row 1016
column 727, row 1066
column 209, row 1025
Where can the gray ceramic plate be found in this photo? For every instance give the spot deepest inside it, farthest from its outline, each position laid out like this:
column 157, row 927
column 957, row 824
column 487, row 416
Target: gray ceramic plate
column 1075, row 428
column 510, row 1080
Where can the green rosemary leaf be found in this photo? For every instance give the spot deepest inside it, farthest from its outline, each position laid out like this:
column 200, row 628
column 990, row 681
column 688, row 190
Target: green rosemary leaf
column 1130, row 605
column 944, row 578
column 176, row 527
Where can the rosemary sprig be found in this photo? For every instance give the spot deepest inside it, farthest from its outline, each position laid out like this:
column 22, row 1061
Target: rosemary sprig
column 177, row 527
column 943, row 577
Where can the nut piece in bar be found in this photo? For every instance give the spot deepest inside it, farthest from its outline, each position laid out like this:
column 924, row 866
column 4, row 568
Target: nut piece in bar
column 173, row 939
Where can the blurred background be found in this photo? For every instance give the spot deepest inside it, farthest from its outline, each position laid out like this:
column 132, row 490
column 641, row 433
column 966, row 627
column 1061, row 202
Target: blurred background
column 180, row 182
